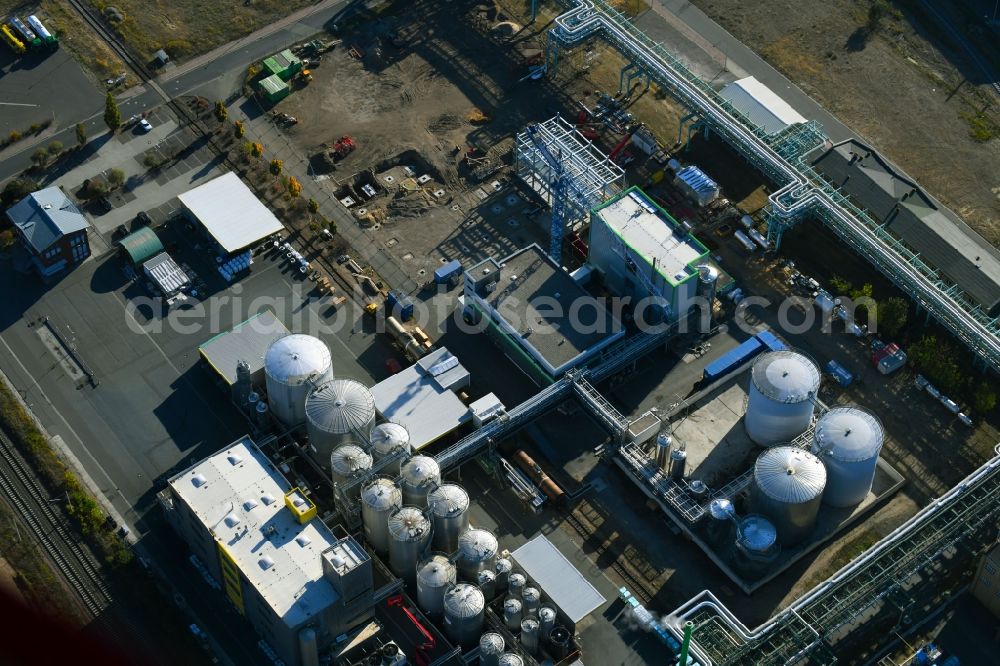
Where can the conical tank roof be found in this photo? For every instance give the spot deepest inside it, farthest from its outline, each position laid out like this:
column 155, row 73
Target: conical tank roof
column 382, row 494
column 786, row 376
column 477, row 545
column 420, row 470
column 409, row 524
column 789, row 474
column 448, row 499
column 848, row 434
column 721, row 509
column 350, row 460
column 464, row 600
column 387, row 437
column 342, row 406
column 295, row 358
column 436, row 571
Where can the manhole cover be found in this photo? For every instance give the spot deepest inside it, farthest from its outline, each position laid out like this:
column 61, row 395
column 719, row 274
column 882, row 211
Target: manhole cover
column 391, row 242
column 421, row 272
column 408, row 256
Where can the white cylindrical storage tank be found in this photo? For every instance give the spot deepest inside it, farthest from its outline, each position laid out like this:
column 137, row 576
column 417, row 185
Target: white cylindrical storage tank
column 348, row 463
column 661, row 451
column 516, row 583
column 308, row 647
column 418, row 477
column 338, row 412
column 848, row 441
column 435, row 576
column 477, row 550
column 409, row 536
column 788, row 485
column 511, row 659
column 512, row 613
column 491, row 646
column 502, row 569
column 677, row 462
column 293, row 365
column 449, row 508
column 756, row 545
column 531, row 599
column 387, row 439
column 783, row 387
column 464, row 606
column 380, row 498
column 721, row 520
column 529, row 635
column 546, row 621
column 487, row 583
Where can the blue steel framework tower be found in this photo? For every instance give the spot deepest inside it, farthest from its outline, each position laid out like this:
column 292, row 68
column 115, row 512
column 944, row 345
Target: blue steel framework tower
column 567, row 171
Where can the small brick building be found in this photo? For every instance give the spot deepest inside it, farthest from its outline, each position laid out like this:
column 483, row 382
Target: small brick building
column 52, row 230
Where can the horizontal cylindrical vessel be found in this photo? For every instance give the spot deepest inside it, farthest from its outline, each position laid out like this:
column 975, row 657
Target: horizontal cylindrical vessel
column 848, row 441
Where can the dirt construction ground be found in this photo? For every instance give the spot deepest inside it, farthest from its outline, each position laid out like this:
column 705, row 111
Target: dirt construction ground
column 902, row 89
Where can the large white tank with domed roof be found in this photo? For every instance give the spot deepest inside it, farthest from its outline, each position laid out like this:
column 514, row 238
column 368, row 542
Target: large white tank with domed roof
column 293, row 365
column 783, row 389
column 848, row 441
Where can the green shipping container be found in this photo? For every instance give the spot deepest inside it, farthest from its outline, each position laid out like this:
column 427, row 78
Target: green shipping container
column 274, row 89
column 283, row 64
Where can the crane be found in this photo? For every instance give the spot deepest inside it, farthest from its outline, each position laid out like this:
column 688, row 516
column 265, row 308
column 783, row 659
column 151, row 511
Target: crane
column 559, row 186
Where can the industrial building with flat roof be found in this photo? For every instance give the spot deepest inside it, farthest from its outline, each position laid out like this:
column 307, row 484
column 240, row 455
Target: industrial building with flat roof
column 231, row 215
column 279, row 565
column 538, row 314
column 938, row 236
column 247, row 341
column 761, row 105
column 422, row 397
column 641, row 251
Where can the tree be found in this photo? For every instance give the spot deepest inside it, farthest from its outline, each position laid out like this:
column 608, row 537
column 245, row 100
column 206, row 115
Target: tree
column 984, row 400
column 313, row 206
column 936, row 360
column 859, row 297
column 275, row 167
column 81, row 135
column 116, row 177
column 294, row 187
column 891, row 316
column 40, row 158
column 238, row 129
column 15, row 190
column 256, row 150
column 840, row 286
column 55, row 148
column 112, row 116
column 876, row 12
column 221, row 113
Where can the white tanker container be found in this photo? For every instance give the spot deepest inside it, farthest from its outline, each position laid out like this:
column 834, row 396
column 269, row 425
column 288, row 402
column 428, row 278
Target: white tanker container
column 848, row 441
column 782, row 394
column 293, row 366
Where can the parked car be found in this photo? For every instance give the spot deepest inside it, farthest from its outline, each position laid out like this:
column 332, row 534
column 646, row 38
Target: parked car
column 119, row 233
column 145, row 125
column 142, row 220
column 104, row 205
column 343, row 259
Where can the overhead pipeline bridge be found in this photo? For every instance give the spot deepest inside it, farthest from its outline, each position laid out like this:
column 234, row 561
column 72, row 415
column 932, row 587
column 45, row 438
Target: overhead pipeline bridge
column 802, row 192
column 885, row 576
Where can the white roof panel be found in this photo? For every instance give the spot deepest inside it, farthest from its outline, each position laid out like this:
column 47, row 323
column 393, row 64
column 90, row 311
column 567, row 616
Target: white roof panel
column 422, row 403
column 230, row 212
column 543, row 563
column 761, row 104
column 278, row 556
column 247, row 341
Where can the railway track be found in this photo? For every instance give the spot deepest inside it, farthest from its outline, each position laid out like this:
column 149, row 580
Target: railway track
column 113, row 40
column 30, row 500
column 639, row 589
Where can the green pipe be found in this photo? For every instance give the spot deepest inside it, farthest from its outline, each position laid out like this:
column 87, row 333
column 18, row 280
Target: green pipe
column 688, row 630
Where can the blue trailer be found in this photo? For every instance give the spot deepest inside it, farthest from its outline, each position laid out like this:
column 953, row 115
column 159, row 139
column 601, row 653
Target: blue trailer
column 771, row 341
column 840, row 373
column 399, row 306
column 446, row 272
column 733, row 359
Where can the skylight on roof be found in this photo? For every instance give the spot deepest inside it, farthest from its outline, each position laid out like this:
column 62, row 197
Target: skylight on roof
column 232, row 520
column 267, row 498
column 249, row 504
column 265, row 562
column 234, row 459
column 198, row 480
column 303, row 540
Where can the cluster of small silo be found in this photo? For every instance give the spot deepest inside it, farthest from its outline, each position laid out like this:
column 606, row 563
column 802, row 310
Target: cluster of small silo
column 781, row 397
column 848, row 440
column 526, row 615
column 788, row 485
column 338, row 412
column 293, row 365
